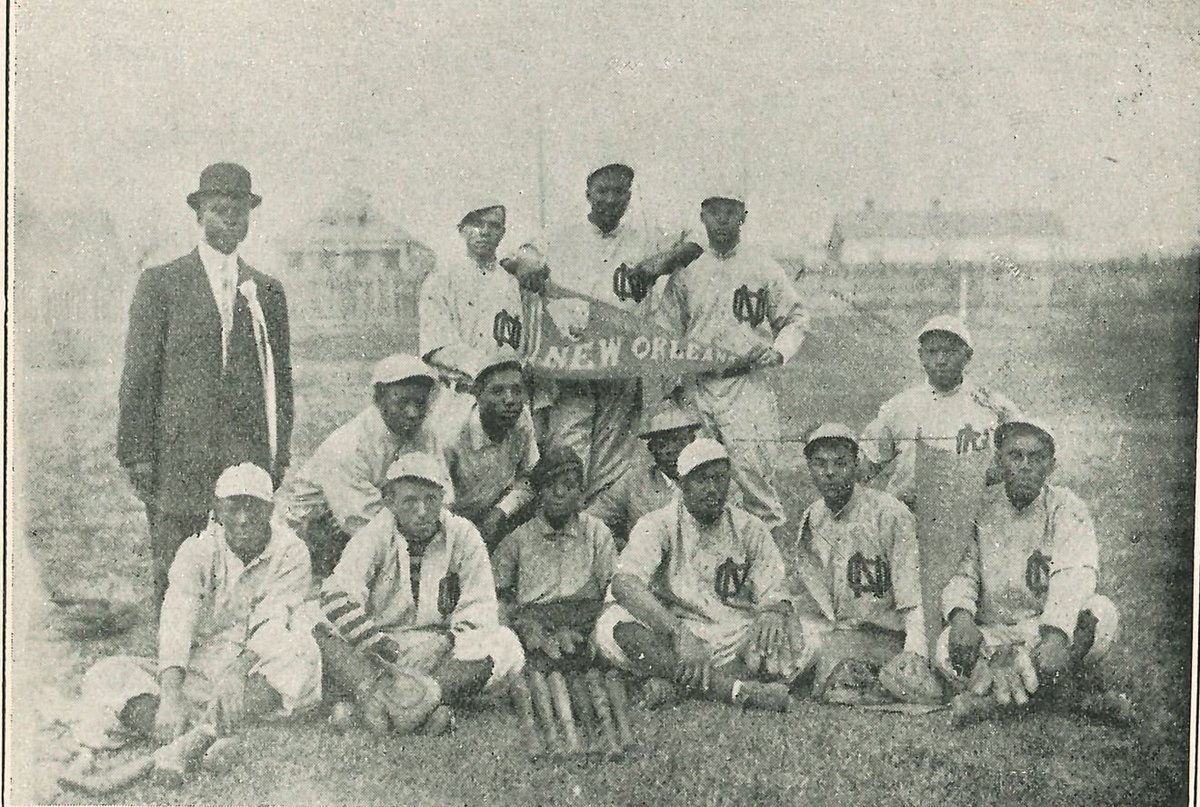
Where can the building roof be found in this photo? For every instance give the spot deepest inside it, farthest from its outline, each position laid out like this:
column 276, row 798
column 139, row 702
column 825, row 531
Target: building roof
column 937, row 223
column 351, row 222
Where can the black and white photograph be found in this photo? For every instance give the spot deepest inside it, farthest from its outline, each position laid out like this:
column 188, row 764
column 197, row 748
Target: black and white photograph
column 531, row 403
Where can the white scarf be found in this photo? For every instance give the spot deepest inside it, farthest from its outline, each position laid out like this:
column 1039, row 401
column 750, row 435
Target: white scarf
column 266, row 361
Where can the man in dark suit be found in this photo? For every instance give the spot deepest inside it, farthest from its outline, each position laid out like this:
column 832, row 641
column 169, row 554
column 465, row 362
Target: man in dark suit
column 208, row 376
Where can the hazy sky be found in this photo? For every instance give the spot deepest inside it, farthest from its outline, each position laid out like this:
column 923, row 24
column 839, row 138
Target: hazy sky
column 1090, row 110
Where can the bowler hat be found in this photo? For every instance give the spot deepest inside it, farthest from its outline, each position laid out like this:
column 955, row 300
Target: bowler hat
column 226, row 179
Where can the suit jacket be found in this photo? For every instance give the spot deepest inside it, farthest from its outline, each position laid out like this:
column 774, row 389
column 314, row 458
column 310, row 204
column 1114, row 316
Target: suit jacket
column 179, row 409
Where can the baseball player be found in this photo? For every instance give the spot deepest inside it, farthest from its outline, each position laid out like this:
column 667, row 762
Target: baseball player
column 1027, row 580
column 653, row 485
column 592, row 417
column 737, row 297
column 414, row 591
column 233, row 640
column 947, row 411
column 858, row 563
column 552, row 571
column 338, row 491
column 700, row 594
column 491, row 455
column 458, row 307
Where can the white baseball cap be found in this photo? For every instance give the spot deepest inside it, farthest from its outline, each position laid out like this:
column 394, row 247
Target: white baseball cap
column 399, row 367
column 950, row 324
column 418, row 465
column 699, row 452
column 669, row 418
column 246, row 479
column 502, row 356
column 479, row 202
column 829, row 431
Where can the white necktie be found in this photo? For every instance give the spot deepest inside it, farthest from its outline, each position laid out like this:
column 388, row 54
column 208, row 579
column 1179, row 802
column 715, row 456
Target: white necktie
column 225, row 304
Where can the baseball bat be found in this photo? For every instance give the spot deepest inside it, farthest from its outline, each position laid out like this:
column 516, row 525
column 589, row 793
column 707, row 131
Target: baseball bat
column 585, row 716
column 562, row 705
column 619, row 701
column 523, row 702
column 111, row 780
column 600, row 703
column 545, row 711
column 173, row 761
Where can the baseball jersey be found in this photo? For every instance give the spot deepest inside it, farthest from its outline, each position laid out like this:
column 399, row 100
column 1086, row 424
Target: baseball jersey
column 543, row 565
column 455, row 589
column 641, row 491
column 582, row 260
column 714, row 577
column 345, row 473
column 866, row 555
column 962, row 421
column 1037, row 563
column 212, row 595
column 489, row 474
column 698, row 302
column 458, row 308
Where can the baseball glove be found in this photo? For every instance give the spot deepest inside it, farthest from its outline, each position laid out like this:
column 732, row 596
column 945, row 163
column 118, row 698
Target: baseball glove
column 907, row 678
column 401, row 701
column 854, row 682
column 1008, row 675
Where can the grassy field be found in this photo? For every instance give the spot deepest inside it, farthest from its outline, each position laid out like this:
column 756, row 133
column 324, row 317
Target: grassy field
column 1118, row 381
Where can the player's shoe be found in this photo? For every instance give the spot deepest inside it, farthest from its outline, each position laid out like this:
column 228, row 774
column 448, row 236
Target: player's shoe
column 773, row 697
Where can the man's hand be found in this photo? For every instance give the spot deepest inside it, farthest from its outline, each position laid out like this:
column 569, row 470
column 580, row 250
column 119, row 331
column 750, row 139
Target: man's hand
column 529, row 267
column 695, row 659
column 229, row 695
column 568, row 640
column 770, row 357
column 492, row 526
column 171, row 719
column 964, row 640
column 141, row 476
column 1052, row 654
column 535, row 637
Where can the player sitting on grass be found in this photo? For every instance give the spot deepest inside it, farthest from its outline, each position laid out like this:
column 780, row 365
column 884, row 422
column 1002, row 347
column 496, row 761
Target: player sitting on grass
column 552, row 571
column 490, row 457
column 231, row 639
column 1022, row 609
column 948, row 412
column 648, row 487
column 859, row 564
column 413, row 591
column 700, row 594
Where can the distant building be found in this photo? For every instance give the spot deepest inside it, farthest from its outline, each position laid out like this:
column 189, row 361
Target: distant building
column 870, row 235
column 350, row 271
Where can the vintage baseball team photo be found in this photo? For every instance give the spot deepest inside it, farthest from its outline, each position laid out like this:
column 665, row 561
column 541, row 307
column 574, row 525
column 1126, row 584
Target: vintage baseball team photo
column 769, row 403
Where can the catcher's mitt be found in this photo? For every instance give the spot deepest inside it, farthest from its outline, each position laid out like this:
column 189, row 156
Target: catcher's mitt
column 854, row 682
column 907, row 678
column 402, row 701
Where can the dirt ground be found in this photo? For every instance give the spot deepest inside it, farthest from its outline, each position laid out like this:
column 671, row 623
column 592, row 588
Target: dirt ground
column 1119, row 382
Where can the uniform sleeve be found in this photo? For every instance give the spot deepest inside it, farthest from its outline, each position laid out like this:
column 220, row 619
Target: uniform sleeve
column 346, row 480
column 1073, row 566
column 477, row 607
column 438, row 328
column 767, row 578
column 604, row 555
column 522, row 493
column 906, row 574
column 284, row 594
column 505, row 563
column 789, row 322
column 878, row 441
column 357, row 567
column 186, row 589
column 962, row 589
column 141, row 377
column 645, row 551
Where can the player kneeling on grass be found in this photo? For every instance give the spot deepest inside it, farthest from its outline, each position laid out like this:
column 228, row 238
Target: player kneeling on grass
column 859, row 564
column 232, row 640
column 411, row 608
column 1023, row 611
column 700, row 595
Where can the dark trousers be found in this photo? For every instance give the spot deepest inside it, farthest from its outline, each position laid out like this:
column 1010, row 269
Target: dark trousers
column 167, row 532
